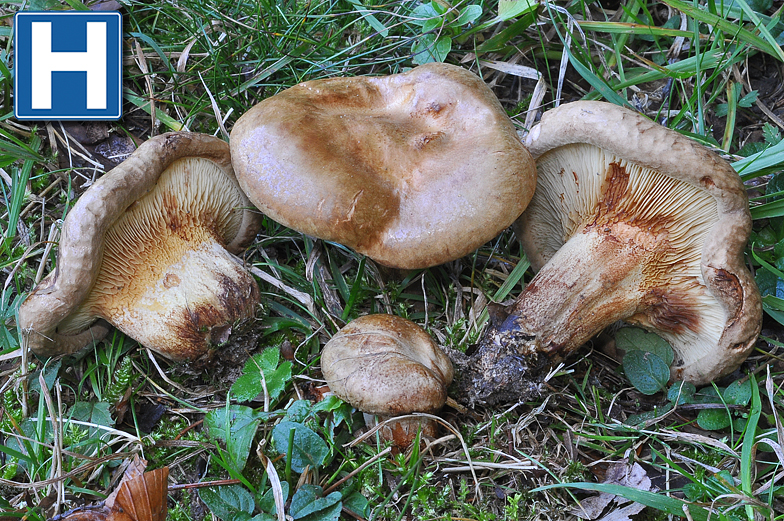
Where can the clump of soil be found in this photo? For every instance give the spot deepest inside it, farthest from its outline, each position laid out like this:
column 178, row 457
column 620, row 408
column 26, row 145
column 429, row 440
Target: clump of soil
column 224, row 364
column 495, row 372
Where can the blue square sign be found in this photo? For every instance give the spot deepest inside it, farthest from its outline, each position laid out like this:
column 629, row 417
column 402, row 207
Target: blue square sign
column 68, row 65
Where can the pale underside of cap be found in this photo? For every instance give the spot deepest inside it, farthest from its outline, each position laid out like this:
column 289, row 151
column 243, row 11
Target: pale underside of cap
column 128, row 229
column 623, row 184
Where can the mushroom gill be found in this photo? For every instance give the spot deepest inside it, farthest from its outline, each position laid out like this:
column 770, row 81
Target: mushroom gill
column 166, row 275
column 633, row 221
column 149, row 248
column 637, row 236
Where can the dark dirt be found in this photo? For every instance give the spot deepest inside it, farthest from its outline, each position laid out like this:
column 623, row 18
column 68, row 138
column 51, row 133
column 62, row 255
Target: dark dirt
column 494, row 372
column 224, row 364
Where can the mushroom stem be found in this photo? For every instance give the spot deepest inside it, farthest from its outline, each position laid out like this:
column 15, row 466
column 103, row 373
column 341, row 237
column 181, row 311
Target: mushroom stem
column 401, row 430
column 575, row 294
column 630, row 221
column 195, row 291
column 131, row 231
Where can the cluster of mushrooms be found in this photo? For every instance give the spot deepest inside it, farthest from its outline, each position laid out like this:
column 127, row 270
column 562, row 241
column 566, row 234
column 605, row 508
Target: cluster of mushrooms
column 629, row 221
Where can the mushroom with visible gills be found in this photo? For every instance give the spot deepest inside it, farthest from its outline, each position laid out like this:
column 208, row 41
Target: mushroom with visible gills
column 387, row 366
column 149, row 248
column 633, row 221
column 413, row 169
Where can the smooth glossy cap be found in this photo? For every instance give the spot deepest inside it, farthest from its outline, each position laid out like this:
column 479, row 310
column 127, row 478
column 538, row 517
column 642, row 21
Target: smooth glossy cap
column 412, row 169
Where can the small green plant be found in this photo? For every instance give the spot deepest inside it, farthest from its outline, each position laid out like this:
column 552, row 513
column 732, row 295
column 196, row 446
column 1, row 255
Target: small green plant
column 768, row 244
column 745, row 102
column 96, row 413
column 120, row 383
column 302, row 448
column 439, row 26
column 234, row 428
column 181, row 510
column 722, row 407
column 513, row 510
column 232, row 503
column 737, row 394
column 263, row 374
column 8, row 308
column 109, row 372
column 647, row 365
column 647, row 360
column 300, row 445
column 429, row 501
column 710, row 486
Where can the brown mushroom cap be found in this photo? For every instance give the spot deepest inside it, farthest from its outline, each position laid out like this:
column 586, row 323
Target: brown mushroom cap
column 633, row 221
column 386, row 365
column 412, row 169
column 147, row 247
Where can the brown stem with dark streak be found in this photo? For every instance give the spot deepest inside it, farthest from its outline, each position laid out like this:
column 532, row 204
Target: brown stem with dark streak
column 594, row 280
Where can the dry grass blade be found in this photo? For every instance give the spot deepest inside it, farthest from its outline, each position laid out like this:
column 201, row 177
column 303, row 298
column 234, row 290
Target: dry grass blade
column 141, row 61
column 277, row 490
column 216, row 110
column 301, row 297
column 79, row 471
column 57, row 429
column 521, row 71
column 774, row 407
column 483, row 465
column 694, row 438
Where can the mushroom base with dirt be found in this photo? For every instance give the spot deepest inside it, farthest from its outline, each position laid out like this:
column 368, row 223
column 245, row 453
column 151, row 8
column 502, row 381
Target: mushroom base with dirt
column 495, row 372
column 630, row 221
column 150, row 249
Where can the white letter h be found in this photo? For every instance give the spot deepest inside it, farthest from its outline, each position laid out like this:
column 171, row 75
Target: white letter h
column 44, row 62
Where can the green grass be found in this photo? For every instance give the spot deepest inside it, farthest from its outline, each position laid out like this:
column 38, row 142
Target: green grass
column 199, row 66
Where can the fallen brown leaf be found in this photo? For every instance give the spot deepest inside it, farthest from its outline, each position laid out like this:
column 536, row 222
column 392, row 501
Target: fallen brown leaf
column 141, row 496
